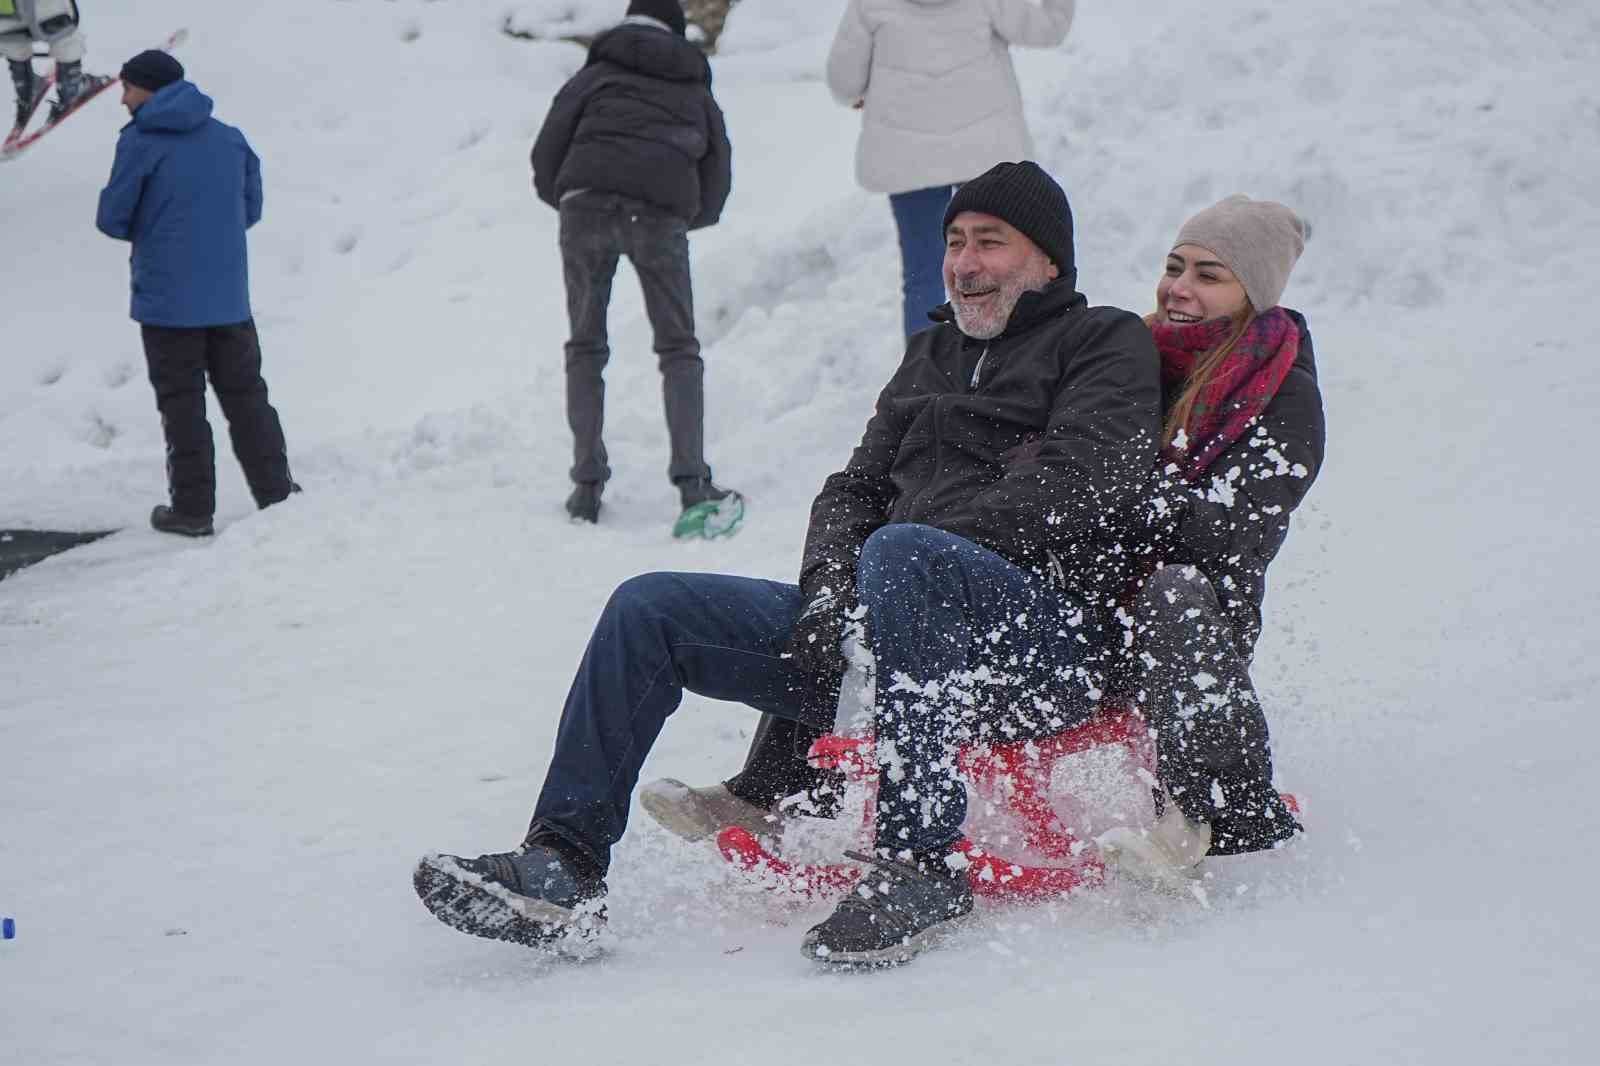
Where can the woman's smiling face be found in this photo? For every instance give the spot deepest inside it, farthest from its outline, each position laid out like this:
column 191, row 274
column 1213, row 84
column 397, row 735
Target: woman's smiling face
column 1197, row 288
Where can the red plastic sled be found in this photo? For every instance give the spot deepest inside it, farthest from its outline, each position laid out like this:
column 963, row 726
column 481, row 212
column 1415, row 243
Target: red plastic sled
column 1016, row 776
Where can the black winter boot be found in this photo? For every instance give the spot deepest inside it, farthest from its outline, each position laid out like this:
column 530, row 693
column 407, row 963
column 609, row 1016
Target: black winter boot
column 71, row 85
column 28, row 87
column 165, row 520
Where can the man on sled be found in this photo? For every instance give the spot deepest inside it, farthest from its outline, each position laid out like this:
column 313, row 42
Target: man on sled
column 981, row 535
column 1242, row 440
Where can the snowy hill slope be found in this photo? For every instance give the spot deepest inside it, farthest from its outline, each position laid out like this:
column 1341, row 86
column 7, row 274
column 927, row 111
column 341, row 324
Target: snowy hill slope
column 223, row 757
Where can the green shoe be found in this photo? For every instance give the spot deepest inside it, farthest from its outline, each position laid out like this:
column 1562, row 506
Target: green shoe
column 711, row 518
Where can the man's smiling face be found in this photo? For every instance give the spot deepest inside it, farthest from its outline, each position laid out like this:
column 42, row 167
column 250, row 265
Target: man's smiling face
column 988, row 265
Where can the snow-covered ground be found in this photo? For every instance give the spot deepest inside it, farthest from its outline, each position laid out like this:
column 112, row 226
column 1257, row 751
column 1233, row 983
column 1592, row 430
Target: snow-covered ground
column 222, row 758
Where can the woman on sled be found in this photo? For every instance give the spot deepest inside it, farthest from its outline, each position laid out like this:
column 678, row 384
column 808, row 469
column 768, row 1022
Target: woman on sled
column 1242, row 443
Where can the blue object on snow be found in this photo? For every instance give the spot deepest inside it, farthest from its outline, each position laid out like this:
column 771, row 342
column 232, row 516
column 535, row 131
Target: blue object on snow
column 8, row 929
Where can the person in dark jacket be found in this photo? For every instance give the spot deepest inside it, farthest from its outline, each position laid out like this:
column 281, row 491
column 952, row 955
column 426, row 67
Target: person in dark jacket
column 634, row 154
column 1243, row 440
column 183, row 190
column 972, row 537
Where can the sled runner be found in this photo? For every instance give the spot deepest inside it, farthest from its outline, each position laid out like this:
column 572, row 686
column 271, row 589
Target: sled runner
column 1015, row 777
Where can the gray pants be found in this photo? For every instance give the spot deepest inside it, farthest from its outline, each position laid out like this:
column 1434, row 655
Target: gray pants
column 596, row 230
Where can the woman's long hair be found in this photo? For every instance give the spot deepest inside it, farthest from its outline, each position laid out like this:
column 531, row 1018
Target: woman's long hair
column 1204, row 368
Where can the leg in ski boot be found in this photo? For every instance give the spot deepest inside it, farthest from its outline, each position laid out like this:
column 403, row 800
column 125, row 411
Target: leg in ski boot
column 30, row 90
column 72, row 85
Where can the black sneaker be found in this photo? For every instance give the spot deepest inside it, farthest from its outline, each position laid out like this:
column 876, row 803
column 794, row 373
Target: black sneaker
column 584, row 503
column 165, row 520
column 531, row 896
column 897, row 909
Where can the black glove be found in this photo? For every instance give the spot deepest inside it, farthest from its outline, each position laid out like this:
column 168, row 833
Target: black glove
column 814, row 643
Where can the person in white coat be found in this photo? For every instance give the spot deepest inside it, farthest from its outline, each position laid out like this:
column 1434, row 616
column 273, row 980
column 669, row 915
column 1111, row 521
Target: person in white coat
column 55, row 23
column 940, row 105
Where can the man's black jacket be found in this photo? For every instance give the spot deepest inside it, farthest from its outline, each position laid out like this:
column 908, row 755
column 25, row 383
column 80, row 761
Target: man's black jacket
column 639, row 120
column 1042, row 462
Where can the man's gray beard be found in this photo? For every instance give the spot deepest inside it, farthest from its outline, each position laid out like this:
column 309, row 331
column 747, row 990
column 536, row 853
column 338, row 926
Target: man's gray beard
column 986, row 326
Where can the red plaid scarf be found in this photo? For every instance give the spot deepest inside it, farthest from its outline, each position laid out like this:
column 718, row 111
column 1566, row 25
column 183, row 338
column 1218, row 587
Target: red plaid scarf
column 1240, row 388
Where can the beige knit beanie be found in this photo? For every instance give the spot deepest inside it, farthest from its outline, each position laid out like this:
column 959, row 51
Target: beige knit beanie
column 1258, row 240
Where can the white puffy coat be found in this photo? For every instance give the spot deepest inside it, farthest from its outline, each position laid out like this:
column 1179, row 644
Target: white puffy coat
column 941, row 98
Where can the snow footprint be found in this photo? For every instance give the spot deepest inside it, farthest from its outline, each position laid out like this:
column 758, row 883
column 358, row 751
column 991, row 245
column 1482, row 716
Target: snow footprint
column 118, row 374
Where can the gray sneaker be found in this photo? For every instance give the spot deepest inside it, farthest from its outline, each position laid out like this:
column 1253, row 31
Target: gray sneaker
column 697, row 813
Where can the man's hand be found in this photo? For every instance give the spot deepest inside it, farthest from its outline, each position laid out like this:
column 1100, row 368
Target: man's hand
column 814, row 643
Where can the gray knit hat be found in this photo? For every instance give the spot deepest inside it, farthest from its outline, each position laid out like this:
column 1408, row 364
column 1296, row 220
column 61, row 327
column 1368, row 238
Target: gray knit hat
column 1258, row 240
column 1023, row 195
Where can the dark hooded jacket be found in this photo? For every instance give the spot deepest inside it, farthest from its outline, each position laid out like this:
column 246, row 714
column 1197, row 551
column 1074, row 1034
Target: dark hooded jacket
column 639, row 120
column 1043, row 460
column 1231, row 523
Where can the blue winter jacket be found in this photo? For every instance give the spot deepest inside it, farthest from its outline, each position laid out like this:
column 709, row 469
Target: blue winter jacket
column 183, row 189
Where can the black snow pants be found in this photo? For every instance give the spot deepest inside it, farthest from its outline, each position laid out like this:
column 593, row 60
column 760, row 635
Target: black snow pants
column 597, row 229
column 1194, row 687
column 180, row 359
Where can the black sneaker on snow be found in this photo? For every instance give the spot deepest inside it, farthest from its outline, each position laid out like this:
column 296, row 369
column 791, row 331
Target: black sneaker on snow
column 584, row 503
column 895, row 911
column 529, row 896
column 165, row 520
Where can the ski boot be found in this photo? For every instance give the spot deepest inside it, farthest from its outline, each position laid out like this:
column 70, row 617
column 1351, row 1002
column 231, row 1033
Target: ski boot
column 73, row 87
column 708, row 511
column 30, row 90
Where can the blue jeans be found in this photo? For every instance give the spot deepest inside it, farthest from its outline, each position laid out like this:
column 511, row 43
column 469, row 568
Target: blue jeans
column 919, row 216
column 938, row 609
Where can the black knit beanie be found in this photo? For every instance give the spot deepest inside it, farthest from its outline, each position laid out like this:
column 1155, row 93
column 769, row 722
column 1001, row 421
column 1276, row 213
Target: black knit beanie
column 152, row 71
column 1026, row 197
column 668, row 11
